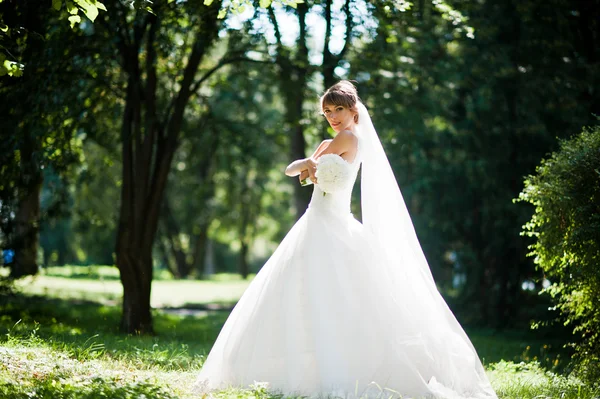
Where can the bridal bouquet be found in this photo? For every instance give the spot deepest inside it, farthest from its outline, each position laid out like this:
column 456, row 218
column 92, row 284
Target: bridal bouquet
column 332, row 173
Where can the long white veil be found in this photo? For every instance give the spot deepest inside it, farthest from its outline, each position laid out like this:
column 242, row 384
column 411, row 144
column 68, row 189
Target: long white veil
column 386, row 218
column 383, row 208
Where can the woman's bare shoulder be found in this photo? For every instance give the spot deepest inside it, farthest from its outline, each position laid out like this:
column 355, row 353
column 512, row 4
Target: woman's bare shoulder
column 346, row 136
column 344, row 142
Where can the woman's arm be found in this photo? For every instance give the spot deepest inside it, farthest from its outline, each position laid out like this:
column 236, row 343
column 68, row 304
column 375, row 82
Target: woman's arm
column 297, row 167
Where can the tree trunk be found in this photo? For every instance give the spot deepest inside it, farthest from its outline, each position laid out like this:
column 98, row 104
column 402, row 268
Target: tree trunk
column 298, row 144
column 243, row 266
column 137, row 317
column 149, row 141
column 330, row 60
column 293, row 75
column 245, row 230
column 27, row 229
column 164, row 252
column 173, row 236
column 199, row 254
column 209, row 260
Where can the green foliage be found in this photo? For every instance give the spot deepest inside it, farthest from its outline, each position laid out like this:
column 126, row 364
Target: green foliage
column 89, row 7
column 239, row 6
column 464, row 119
column 530, row 381
column 41, row 140
column 54, row 385
column 565, row 192
column 14, row 34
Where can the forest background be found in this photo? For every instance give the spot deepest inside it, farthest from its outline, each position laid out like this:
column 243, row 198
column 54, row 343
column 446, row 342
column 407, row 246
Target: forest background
column 153, row 136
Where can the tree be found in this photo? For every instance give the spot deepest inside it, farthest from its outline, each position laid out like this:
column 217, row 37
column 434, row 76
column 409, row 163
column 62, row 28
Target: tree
column 150, row 130
column 161, row 79
column 14, row 35
column 565, row 192
column 39, row 130
column 296, row 70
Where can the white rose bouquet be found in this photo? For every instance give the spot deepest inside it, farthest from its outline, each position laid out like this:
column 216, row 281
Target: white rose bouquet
column 332, row 173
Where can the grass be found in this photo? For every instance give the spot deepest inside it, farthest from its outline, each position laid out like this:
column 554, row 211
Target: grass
column 102, row 285
column 66, row 346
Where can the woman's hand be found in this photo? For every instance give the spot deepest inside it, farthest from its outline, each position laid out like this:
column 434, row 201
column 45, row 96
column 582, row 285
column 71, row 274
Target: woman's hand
column 311, row 168
column 303, row 176
column 307, row 167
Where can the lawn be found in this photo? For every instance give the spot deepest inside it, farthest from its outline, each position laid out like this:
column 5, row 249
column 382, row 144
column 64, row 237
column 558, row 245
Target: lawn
column 101, row 284
column 66, row 344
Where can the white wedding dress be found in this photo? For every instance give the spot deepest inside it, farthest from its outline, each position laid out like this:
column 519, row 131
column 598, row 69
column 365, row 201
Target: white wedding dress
column 327, row 316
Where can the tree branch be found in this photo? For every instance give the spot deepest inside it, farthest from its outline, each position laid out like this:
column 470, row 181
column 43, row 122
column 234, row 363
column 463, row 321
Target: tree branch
column 273, row 19
column 326, row 53
column 349, row 28
column 151, row 130
column 222, row 63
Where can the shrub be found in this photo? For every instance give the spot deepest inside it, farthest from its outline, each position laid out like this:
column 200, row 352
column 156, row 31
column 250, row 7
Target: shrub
column 565, row 192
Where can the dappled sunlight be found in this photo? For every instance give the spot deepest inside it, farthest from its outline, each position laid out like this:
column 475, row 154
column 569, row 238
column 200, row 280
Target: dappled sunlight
column 78, row 343
column 89, row 329
column 224, row 289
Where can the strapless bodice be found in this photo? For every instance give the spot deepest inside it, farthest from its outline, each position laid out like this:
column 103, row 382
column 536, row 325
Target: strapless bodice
column 339, row 201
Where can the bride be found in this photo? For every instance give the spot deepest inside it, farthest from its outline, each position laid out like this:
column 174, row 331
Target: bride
column 344, row 309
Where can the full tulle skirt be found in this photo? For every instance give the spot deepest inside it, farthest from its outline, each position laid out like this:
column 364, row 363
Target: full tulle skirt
column 325, row 317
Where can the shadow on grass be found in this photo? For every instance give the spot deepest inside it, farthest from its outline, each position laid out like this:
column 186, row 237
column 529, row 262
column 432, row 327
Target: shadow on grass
column 88, row 330
column 521, row 346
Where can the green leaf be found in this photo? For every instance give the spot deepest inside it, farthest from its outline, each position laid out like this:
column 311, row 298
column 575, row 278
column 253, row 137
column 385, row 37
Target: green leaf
column 208, row 2
column 74, row 19
column 90, row 10
column 12, row 68
column 100, row 6
column 71, row 8
column 3, row 28
column 222, row 13
column 265, row 3
column 57, row 4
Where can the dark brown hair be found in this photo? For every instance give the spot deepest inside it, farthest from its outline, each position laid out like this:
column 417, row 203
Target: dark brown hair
column 342, row 93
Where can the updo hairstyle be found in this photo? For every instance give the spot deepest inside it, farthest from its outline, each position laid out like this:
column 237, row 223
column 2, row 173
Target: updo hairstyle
column 342, row 93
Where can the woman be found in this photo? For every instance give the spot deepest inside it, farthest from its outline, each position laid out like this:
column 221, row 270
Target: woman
column 341, row 308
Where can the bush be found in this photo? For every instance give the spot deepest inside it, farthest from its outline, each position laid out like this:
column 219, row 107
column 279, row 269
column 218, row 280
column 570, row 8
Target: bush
column 566, row 227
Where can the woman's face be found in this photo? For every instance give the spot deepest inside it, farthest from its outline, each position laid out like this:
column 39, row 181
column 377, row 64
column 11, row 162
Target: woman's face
column 339, row 117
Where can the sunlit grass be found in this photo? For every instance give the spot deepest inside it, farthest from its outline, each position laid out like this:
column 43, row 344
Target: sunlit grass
column 63, row 346
column 530, row 381
column 76, row 343
column 109, row 272
column 105, row 287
